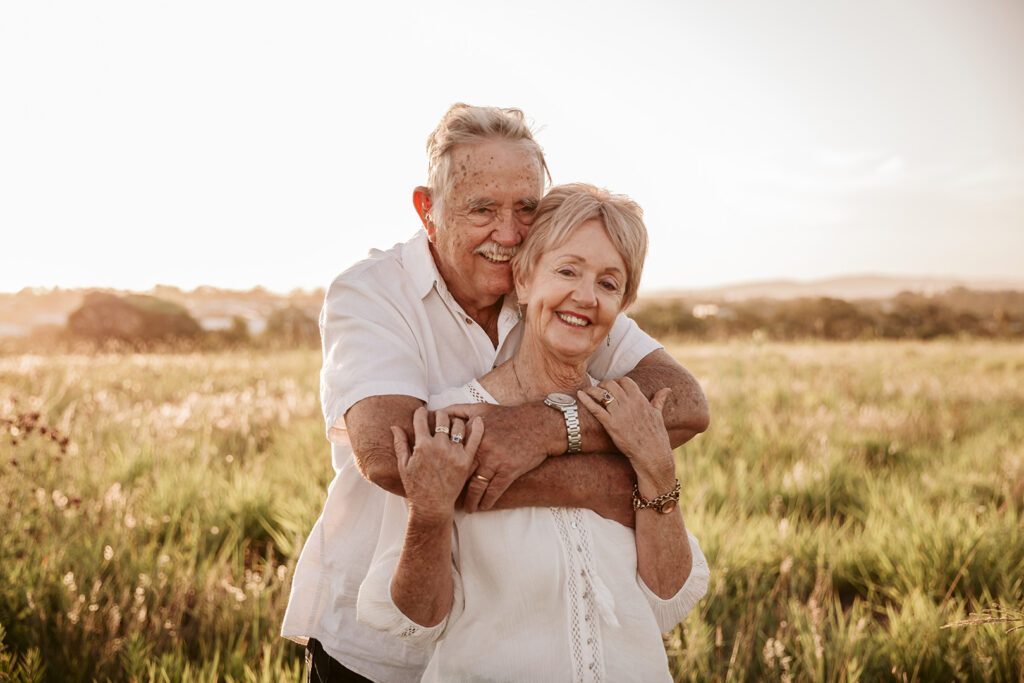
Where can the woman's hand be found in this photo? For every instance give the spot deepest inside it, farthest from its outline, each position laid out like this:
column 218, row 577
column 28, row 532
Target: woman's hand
column 434, row 473
column 635, row 425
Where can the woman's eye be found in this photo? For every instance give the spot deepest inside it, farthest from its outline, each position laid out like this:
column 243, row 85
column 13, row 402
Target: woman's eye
column 565, row 271
column 610, row 285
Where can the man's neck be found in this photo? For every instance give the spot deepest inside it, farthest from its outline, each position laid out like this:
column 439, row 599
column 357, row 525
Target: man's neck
column 487, row 318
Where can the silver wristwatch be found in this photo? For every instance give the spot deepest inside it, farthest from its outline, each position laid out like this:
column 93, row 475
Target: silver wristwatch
column 567, row 404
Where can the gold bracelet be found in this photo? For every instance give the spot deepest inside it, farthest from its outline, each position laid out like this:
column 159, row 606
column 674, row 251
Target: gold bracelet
column 664, row 503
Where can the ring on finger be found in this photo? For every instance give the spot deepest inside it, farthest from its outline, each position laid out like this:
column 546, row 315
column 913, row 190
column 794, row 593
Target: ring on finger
column 482, row 478
column 456, row 438
column 440, row 430
column 607, row 398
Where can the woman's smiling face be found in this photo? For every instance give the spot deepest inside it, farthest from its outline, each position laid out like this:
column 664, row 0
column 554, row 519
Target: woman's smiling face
column 575, row 292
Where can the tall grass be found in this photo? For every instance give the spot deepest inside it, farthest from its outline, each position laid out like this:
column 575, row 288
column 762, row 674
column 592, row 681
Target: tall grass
column 852, row 500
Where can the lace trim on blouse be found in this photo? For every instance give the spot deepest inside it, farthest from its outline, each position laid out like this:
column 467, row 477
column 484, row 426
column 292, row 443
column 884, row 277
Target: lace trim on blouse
column 584, row 627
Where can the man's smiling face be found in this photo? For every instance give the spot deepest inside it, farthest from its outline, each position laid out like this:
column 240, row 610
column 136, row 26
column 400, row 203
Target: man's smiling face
column 496, row 185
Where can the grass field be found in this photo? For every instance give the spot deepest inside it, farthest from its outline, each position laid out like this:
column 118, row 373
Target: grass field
column 852, row 499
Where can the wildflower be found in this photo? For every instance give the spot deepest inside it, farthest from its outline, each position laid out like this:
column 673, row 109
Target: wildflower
column 235, row 591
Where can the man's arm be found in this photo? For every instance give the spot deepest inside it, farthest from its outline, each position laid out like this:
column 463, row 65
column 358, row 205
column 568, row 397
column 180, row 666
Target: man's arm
column 600, row 482
column 515, row 435
column 369, row 424
column 518, row 438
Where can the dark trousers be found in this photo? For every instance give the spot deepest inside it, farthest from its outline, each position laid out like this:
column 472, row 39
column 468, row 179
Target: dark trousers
column 322, row 668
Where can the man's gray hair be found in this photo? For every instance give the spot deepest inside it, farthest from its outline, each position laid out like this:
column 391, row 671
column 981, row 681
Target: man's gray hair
column 462, row 124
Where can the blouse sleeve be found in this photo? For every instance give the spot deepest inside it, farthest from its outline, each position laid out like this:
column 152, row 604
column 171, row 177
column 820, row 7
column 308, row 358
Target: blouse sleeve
column 626, row 346
column 671, row 611
column 374, row 605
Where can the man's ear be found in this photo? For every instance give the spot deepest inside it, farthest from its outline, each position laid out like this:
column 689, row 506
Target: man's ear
column 421, row 200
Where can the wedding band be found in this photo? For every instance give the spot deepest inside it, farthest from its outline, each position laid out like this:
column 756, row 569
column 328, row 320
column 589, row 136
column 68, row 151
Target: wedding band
column 456, row 438
column 482, row 478
column 440, row 430
column 606, row 399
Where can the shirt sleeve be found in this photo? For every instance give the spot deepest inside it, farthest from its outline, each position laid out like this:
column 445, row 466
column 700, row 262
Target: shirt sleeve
column 673, row 610
column 374, row 605
column 369, row 348
column 625, row 346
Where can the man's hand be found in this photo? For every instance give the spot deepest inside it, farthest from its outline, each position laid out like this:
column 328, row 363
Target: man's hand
column 514, row 444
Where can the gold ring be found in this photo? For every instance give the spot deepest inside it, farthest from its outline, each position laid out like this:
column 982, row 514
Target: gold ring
column 606, row 399
column 440, row 430
column 486, row 480
column 456, row 438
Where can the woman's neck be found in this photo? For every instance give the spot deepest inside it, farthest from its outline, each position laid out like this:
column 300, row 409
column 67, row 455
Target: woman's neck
column 538, row 374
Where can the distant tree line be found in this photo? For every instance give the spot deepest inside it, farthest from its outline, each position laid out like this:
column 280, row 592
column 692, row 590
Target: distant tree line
column 957, row 312
column 142, row 322
column 136, row 322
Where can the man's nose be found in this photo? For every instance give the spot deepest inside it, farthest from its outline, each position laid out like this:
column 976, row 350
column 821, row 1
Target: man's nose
column 508, row 232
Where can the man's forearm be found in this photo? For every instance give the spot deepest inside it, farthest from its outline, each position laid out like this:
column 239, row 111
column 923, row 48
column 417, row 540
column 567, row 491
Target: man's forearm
column 602, row 482
column 369, row 432
column 686, row 411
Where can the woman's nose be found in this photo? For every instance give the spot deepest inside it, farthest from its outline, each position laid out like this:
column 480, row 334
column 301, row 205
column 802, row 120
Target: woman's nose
column 585, row 292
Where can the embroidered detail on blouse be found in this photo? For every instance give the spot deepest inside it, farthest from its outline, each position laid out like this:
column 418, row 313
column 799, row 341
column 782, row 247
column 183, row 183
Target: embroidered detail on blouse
column 584, row 626
column 474, row 391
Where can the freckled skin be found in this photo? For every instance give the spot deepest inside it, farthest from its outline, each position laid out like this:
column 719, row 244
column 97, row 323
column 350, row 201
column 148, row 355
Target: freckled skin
column 497, row 171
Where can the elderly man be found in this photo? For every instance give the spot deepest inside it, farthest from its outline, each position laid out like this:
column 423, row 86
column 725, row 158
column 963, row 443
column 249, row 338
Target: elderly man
column 430, row 314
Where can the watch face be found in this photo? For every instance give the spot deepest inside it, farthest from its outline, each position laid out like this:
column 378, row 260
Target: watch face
column 667, row 507
column 561, row 399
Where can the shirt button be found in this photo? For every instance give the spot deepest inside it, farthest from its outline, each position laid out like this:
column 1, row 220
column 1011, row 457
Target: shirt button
column 590, row 641
column 579, row 549
column 469, row 321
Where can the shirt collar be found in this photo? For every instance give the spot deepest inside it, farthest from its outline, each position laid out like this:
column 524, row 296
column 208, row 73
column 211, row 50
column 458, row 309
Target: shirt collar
column 419, row 263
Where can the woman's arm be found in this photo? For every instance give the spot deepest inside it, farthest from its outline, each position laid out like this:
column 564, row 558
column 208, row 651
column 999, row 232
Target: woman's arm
column 433, row 475
column 664, row 558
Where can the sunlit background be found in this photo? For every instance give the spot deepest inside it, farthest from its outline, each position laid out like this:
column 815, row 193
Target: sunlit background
column 238, row 144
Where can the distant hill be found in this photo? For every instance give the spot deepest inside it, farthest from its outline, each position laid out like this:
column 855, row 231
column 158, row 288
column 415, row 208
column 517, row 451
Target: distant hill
column 851, row 288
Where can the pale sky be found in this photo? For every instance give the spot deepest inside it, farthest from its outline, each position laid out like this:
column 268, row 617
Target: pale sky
column 254, row 143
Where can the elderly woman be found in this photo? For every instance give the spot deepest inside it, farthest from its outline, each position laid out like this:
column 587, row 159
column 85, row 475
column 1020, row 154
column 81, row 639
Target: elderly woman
column 543, row 593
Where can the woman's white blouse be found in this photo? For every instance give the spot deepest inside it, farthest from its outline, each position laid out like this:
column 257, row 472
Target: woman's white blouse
column 541, row 594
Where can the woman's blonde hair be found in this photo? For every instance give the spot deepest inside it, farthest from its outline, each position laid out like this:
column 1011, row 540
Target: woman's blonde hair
column 564, row 208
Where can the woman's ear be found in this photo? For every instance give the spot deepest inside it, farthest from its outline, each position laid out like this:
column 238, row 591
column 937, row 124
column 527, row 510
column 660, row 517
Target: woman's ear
column 421, row 200
column 522, row 292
